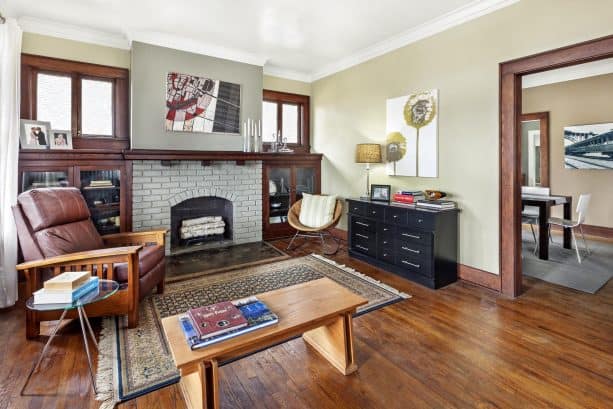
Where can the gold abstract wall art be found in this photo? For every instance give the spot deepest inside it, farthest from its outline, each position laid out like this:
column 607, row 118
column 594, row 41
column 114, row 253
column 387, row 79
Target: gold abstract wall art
column 414, row 118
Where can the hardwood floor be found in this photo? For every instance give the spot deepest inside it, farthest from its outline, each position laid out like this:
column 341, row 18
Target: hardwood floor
column 462, row 346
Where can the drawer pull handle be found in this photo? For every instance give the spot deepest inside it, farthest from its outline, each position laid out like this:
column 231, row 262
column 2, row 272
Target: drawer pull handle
column 361, row 235
column 374, row 212
column 411, row 236
column 420, row 220
column 385, row 242
column 384, row 254
column 411, row 264
column 395, row 216
column 385, row 229
column 361, row 247
column 411, row 250
column 355, row 209
column 362, row 224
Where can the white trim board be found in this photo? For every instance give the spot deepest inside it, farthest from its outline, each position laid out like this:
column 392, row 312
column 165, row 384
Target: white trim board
column 72, row 32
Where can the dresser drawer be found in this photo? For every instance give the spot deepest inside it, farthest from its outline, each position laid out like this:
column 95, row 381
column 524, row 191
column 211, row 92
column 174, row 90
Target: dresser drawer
column 366, row 246
column 360, row 224
column 421, row 267
column 396, row 215
column 422, row 220
column 376, row 211
column 413, row 250
column 386, row 232
column 415, row 236
column 385, row 254
column 358, row 208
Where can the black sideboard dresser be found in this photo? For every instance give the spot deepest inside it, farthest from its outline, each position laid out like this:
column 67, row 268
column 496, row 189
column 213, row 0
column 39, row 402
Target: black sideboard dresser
column 417, row 244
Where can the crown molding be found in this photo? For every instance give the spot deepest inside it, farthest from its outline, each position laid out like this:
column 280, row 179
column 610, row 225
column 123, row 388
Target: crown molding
column 281, row 72
column 454, row 18
column 575, row 72
column 72, row 32
column 195, row 46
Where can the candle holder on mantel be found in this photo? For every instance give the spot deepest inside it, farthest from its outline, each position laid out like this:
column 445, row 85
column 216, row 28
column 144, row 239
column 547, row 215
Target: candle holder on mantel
column 252, row 135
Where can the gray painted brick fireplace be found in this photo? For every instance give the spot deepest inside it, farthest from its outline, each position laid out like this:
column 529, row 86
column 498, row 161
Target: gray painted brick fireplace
column 156, row 188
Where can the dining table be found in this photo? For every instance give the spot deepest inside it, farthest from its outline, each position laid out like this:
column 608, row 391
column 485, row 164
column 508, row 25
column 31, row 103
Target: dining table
column 544, row 203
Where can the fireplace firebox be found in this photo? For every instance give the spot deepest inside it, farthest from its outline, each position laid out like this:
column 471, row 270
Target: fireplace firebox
column 199, row 220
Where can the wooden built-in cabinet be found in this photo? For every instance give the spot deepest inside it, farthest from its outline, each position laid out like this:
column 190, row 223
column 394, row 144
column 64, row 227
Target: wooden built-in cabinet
column 110, row 203
column 283, row 184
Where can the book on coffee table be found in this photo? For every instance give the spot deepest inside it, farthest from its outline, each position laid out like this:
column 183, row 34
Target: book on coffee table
column 255, row 312
column 216, row 319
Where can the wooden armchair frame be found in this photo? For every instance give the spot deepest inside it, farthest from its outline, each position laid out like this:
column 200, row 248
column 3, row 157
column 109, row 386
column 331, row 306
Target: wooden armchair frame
column 125, row 248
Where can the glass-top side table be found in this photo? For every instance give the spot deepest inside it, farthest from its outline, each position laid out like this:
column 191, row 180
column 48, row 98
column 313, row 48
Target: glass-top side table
column 106, row 288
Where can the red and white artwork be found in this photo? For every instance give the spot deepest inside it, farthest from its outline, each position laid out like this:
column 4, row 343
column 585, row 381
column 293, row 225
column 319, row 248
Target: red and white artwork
column 199, row 104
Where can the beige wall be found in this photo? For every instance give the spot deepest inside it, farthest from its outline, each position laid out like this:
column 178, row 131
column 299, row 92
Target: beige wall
column 578, row 102
column 74, row 50
column 285, row 85
column 349, row 107
column 151, row 64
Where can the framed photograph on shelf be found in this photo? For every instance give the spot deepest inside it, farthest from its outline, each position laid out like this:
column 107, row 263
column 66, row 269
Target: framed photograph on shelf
column 59, row 139
column 380, row 193
column 34, row 134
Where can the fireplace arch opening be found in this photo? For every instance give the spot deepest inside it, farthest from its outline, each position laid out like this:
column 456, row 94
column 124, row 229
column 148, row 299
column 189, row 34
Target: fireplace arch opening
column 199, row 220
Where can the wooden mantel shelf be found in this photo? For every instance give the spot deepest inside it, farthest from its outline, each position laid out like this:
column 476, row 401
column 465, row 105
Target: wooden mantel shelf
column 163, row 155
column 155, row 154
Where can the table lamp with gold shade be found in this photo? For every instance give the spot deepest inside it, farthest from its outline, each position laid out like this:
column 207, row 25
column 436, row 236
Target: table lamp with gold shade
column 368, row 153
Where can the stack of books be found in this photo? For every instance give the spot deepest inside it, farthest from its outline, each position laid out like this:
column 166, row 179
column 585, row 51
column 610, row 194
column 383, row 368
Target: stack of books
column 66, row 288
column 408, row 196
column 214, row 323
column 98, row 184
column 439, row 204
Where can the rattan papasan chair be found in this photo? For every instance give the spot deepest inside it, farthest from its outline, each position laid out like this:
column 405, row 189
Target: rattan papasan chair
column 293, row 218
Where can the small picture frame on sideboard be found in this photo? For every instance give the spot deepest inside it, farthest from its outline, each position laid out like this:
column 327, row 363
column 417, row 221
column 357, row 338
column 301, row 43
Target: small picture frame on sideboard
column 380, row 193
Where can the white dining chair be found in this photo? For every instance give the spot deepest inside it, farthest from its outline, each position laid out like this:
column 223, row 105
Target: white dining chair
column 530, row 214
column 582, row 205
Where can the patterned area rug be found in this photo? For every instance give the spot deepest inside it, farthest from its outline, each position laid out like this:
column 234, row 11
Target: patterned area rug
column 137, row 361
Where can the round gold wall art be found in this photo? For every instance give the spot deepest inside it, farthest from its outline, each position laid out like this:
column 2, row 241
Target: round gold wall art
column 419, row 111
column 396, row 148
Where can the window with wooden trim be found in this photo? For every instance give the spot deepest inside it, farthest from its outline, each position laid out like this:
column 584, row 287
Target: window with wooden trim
column 286, row 116
column 88, row 100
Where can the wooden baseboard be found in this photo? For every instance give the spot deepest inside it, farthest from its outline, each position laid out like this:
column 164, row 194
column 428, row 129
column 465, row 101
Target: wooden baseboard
column 479, row 277
column 590, row 230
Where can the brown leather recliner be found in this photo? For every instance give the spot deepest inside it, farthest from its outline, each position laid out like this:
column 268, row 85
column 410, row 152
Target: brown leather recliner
column 56, row 234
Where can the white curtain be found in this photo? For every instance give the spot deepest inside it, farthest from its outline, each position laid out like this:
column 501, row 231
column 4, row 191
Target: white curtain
column 10, row 51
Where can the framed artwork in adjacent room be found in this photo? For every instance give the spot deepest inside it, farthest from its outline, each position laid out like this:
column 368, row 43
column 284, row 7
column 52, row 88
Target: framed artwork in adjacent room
column 200, row 104
column 588, row 146
column 34, row 134
column 412, row 135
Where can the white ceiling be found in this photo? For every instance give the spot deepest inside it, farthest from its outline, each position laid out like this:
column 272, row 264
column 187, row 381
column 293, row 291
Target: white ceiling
column 293, row 39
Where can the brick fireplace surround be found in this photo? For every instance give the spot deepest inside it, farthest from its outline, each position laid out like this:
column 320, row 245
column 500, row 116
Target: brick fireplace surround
column 156, row 188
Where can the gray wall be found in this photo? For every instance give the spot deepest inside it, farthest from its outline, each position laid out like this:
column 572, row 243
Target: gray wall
column 150, row 64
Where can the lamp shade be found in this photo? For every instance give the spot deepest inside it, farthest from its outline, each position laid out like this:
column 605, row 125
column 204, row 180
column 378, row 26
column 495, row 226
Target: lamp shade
column 368, row 153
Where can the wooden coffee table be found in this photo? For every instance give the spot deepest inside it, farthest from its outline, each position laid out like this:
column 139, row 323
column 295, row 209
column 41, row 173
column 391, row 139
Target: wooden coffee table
column 320, row 310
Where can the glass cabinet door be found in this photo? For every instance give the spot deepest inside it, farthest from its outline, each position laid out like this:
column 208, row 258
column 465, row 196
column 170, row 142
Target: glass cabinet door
column 305, row 182
column 33, row 179
column 279, row 180
column 102, row 192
